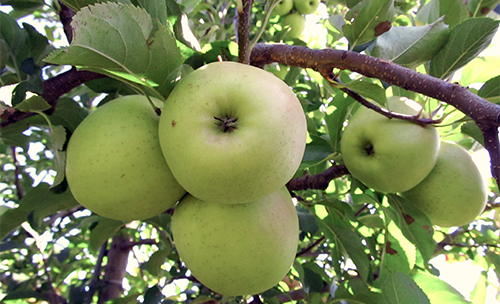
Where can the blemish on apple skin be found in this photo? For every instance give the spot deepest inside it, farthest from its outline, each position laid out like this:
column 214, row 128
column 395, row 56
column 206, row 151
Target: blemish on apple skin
column 174, row 123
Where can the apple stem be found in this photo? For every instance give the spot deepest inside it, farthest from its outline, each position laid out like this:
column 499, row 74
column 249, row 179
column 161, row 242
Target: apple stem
column 227, row 124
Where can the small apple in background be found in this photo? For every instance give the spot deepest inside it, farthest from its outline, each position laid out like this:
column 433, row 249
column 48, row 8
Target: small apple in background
column 295, row 22
column 283, row 7
column 454, row 193
column 389, row 155
column 306, row 7
column 237, row 249
column 233, row 133
column 114, row 164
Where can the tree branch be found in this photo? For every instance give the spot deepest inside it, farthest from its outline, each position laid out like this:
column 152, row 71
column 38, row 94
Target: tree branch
column 244, row 9
column 319, row 181
column 53, row 88
column 484, row 113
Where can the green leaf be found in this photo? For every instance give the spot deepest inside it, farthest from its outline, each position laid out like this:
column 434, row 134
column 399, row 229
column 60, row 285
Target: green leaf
column 478, row 295
column 466, row 41
column 437, row 290
column 364, row 17
column 317, row 151
column 454, row 12
column 399, row 254
column 348, row 243
column 471, row 129
column 414, row 225
column 482, row 7
column 118, row 40
column 411, row 46
column 491, row 90
column 480, row 69
column 156, row 260
column 368, row 90
column 33, row 104
column 104, row 230
column 58, row 139
column 400, row 288
column 77, row 5
column 68, row 113
column 335, row 120
column 40, row 202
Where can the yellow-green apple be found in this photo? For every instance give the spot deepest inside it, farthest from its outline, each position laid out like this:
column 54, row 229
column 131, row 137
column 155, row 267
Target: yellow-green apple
column 454, row 193
column 389, row 155
column 237, row 249
column 232, row 133
column 114, row 164
column 306, row 7
column 283, row 7
column 295, row 22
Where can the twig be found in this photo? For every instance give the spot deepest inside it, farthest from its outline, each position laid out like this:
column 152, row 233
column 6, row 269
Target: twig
column 96, row 274
column 244, row 9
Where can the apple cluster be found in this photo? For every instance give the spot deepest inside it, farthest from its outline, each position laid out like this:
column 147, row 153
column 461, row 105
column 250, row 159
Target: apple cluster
column 398, row 156
column 292, row 14
column 229, row 138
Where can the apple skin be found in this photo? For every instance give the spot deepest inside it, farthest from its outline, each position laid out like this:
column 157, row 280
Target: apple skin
column 283, row 7
column 454, row 193
column 296, row 22
column 114, row 164
column 389, row 155
column 237, row 249
column 255, row 156
column 306, row 7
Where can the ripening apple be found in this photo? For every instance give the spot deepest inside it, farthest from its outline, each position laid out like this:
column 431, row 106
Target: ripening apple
column 389, row 155
column 295, row 22
column 237, row 249
column 306, row 7
column 454, row 193
column 283, row 7
column 233, row 133
column 114, row 164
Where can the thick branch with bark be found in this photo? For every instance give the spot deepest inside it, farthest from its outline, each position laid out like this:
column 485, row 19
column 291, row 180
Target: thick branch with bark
column 484, row 113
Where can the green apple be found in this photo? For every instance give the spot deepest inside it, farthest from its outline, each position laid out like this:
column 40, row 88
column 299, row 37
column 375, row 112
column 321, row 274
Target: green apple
column 454, row 193
column 232, row 132
column 114, row 164
column 389, row 155
column 306, row 7
column 237, row 249
column 283, row 7
column 295, row 22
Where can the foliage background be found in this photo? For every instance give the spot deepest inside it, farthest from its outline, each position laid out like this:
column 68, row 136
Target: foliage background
column 357, row 245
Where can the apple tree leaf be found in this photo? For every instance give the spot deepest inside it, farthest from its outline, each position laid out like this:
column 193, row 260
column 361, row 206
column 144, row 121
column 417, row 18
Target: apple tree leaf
column 471, row 129
column 38, row 203
column 414, row 225
column 364, row 17
column 335, row 120
column 368, row 90
column 491, row 90
column 400, row 288
column 156, row 260
column 454, row 12
column 105, row 229
column 347, row 243
column 480, row 70
column 482, row 7
column 437, row 290
column 33, row 104
column 399, row 253
column 118, row 40
column 466, row 41
column 77, row 5
column 411, row 46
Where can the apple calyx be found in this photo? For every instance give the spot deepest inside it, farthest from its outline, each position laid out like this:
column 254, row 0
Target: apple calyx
column 369, row 149
column 226, row 124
